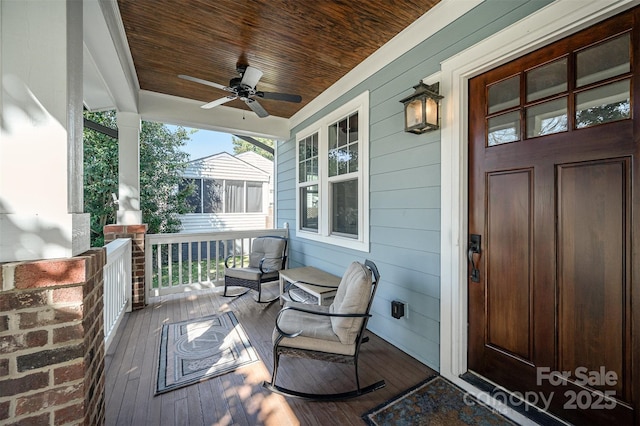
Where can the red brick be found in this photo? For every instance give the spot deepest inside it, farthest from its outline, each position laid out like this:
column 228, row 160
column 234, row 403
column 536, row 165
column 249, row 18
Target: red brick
column 16, row 342
column 4, row 323
column 49, row 316
column 4, row 367
column 68, row 373
column 67, row 415
column 136, row 229
column 39, row 420
column 12, row 301
column 49, row 398
column 47, row 273
column 113, row 229
column 4, row 410
column 67, row 333
column 26, row 383
column 68, row 294
column 49, row 357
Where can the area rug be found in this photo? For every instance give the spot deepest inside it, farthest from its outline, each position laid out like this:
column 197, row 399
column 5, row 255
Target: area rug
column 436, row 401
column 199, row 349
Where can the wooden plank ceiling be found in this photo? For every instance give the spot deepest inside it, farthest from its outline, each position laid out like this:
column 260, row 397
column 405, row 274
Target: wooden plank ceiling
column 301, row 46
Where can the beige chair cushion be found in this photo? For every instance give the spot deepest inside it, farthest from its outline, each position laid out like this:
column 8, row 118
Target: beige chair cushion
column 352, row 297
column 317, row 332
column 271, row 249
column 251, row 274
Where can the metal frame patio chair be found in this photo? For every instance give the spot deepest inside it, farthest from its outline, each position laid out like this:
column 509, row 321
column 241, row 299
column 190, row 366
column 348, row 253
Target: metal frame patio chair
column 268, row 256
column 330, row 333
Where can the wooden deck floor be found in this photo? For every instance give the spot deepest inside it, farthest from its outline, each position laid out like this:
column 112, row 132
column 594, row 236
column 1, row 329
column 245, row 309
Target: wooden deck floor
column 238, row 398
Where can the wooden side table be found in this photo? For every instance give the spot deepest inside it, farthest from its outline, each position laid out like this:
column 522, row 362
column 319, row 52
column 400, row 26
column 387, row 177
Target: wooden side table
column 304, row 278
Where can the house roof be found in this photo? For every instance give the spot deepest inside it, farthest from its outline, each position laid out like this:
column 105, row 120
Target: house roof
column 226, row 166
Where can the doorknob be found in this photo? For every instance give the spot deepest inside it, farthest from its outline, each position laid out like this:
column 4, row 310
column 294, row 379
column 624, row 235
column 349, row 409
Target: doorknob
column 474, row 248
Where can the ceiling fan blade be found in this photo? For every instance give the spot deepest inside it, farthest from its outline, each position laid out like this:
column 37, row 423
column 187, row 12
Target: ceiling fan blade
column 257, row 108
column 218, row 102
column 201, row 81
column 251, row 77
column 280, row 96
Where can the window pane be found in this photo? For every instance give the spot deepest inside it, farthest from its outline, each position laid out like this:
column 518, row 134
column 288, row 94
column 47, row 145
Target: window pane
column 333, row 162
column 344, row 207
column 212, row 199
column 342, row 132
column 343, row 161
column 353, row 128
column 312, row 146
column 603, row 61
column 333, row 136
column 254, row 197
column 302, row 171
column 194, row 200
column 353, row 158
column 547, row 80
column 234, row 196
column 603, row 104
column 505, row 94
column 547, row 118
column 503, row 129
column 308, row 159
column 309, row 207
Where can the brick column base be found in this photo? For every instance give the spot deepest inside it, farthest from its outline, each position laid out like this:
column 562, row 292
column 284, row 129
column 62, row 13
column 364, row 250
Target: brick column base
column 137, row 234
column 52, row 341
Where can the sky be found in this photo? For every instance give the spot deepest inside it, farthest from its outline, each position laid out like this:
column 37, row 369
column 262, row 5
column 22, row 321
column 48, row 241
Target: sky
column 206, row 142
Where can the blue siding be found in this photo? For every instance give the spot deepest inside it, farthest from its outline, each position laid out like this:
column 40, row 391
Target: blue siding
column 404, row 183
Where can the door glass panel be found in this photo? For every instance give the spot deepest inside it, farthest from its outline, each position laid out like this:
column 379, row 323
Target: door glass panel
column 547, row 118
column 503, row 129
column 603, row 104
column 505, row 94
column 603, row 61
column 547, row 80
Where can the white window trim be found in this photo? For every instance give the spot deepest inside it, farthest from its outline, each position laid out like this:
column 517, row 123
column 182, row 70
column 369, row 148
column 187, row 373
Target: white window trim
column 361, row 105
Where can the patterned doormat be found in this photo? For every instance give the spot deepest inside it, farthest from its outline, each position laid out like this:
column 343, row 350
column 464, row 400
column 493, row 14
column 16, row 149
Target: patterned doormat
column 436, row 401
column 195, row 350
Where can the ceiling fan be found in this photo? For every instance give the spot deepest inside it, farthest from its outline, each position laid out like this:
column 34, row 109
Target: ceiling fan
column 244, row 88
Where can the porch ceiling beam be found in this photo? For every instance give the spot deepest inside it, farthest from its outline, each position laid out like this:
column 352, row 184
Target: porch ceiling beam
column 257, row 143
column 100, row 128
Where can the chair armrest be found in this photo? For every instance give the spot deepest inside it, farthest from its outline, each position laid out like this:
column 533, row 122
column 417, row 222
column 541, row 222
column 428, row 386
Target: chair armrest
column 308, row 311
column 226, row 261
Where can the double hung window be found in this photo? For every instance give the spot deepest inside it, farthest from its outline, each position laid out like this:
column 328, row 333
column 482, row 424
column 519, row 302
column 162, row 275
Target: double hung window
column 332, row 177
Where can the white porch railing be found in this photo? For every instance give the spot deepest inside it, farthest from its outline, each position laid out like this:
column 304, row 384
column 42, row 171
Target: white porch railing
column 193, row 261
column 117, row 286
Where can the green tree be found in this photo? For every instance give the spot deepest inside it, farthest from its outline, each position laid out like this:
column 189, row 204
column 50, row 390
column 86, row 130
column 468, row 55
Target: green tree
column 240, row 146
column 161, row 165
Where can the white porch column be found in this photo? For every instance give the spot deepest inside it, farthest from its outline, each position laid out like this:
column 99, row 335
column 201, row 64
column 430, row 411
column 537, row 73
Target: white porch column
column 41, row 173
column 129, row 212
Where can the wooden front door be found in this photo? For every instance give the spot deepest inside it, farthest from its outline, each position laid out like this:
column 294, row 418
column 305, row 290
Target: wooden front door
column 554, row 292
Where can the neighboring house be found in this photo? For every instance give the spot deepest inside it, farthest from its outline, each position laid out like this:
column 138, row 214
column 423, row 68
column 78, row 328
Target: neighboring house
column 232, row 193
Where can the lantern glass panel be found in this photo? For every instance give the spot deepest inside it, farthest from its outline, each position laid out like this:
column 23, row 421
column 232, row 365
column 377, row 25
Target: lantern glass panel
column 414, row 113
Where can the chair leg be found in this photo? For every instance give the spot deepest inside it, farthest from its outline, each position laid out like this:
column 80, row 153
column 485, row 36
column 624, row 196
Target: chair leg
column 276, row 360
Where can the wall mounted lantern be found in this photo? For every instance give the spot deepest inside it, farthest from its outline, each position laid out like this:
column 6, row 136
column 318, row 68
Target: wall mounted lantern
column 422, row 109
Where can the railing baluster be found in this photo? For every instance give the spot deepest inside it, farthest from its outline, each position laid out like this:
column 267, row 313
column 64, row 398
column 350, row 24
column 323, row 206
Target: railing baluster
column 117, row 286
column 180, row 264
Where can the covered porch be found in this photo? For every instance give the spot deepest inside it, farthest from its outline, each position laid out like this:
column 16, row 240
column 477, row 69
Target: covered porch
column 238, row 397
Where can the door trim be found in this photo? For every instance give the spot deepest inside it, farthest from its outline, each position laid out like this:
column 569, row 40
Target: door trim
column 557, row 20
